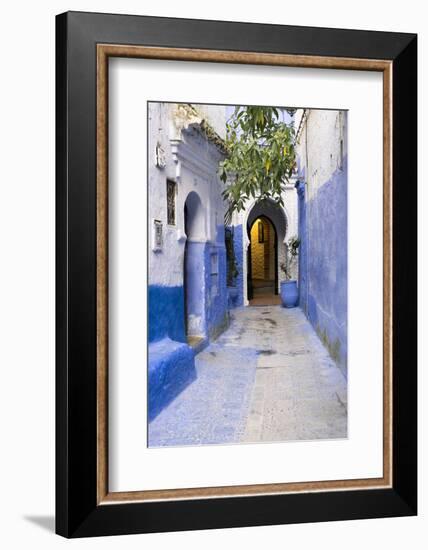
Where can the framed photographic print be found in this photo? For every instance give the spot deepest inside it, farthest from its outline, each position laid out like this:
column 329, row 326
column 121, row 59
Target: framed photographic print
column 236, row 274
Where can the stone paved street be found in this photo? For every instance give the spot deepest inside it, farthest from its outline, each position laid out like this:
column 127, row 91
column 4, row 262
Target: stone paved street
column 267, row 378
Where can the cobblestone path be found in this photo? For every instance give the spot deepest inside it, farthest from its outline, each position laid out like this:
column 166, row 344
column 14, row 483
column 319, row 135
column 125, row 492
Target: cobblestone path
column 267, row 378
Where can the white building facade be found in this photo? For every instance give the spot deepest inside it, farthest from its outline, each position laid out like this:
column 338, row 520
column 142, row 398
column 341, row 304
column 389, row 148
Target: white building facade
column 322, row 154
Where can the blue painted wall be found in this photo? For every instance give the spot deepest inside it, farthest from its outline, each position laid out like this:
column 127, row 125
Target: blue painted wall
column 236, row 293
column 166, row 313
column 303, row 267
column 206, row 287
column 216, row 290
column 171, row 370
column 196, row 283
column 323, row 274
column 171, row 360
column 166, row 304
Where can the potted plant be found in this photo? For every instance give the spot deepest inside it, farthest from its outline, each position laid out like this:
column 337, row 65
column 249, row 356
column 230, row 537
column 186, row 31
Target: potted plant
column 289, row 290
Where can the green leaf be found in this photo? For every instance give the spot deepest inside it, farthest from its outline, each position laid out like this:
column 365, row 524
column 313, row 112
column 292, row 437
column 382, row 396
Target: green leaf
column 260, row 156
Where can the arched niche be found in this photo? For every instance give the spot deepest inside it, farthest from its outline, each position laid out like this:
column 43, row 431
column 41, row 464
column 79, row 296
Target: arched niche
column 194, row 269
column 277, row 217
column 271, row 211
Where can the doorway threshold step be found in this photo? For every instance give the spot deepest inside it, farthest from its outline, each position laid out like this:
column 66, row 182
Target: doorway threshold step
column 197, row 343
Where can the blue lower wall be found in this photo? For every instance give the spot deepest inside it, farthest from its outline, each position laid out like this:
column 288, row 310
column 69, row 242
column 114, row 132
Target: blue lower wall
column 217, row 313
column 206, row 296
column 171, row 365
column 171, row 369
column 166, row 313
column 206, row 287
column 236, row 293
column 171, row 360
column 196, row 286
column 323, row 229
column 303, row 264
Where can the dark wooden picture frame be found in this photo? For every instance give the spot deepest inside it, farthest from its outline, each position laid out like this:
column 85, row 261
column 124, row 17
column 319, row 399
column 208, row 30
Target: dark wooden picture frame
column 84, row 505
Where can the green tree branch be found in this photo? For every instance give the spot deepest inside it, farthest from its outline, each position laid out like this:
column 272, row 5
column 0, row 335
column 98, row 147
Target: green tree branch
column 260, row 157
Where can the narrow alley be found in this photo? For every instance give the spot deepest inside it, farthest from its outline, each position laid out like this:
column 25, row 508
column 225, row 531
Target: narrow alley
column 266, row 378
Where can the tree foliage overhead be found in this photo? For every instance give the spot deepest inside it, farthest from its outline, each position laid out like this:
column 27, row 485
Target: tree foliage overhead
column 260, row 157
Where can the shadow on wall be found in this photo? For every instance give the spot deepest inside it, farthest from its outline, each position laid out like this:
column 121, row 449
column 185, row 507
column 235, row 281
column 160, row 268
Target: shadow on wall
column 324, row 264
column 333, row 347
column 166, row 313
column 171, row 369
column 184, row 319
column 236, row 291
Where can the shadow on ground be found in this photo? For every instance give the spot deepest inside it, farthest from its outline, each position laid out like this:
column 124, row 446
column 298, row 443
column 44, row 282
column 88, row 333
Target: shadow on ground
column 45, row 522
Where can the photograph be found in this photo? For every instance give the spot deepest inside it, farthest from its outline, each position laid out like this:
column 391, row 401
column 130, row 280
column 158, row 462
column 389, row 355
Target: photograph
column 247, row 274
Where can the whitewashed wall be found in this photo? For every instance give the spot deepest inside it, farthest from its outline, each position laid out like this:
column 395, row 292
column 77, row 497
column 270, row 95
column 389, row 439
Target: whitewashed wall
column 192, row 162
column 289, row 213
column 318, row 145
column 215, row 115
column 322, row 168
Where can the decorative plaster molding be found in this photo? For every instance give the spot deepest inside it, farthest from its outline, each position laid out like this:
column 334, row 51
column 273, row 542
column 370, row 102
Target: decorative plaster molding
column 188, row 155
column 182, row 116
column 301, row 125
column 181, row 236
column 175, row 157
column 160, row 157
column 187, row 137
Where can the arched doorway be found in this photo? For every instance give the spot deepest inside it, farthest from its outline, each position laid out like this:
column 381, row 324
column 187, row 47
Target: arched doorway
column 274, row 222
column 262, row 267
column 194, row 269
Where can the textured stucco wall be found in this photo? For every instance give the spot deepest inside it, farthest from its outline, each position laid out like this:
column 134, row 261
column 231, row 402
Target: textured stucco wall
column 323, row 223
column 196, row 287
column 171, row 369
column 257, row 253
column 236, row 293
column 216, row 275
column 192, row 161
column 263, row 254
column 215, row 115
column 285, row 220
column 187, row 274
column 166, row 313
column 303, row 256
column 271, row 251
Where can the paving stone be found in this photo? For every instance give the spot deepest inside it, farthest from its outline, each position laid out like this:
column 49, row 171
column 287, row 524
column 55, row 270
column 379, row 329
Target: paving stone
column 267, row 378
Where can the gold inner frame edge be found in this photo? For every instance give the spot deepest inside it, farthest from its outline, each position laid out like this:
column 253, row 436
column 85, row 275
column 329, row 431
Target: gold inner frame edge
column 104, row 52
